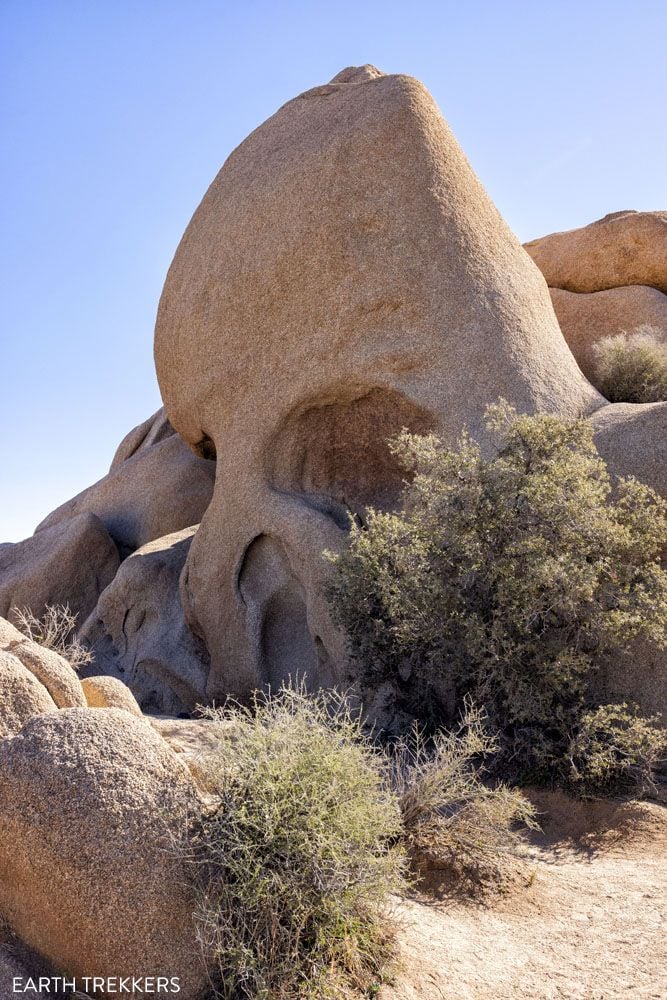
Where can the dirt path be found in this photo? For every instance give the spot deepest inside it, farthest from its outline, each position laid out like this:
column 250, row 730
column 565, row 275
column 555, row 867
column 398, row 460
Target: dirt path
column 590, row 925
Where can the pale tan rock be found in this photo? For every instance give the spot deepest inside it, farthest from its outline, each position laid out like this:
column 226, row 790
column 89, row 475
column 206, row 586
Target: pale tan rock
column 51, row 669
column 68, row 563
column 88, row 801
column 586, row 318
column 345, row 275
column 109, row 692
column 156, row 490
column 624, row 248
column 137, row 633
column 22, row 697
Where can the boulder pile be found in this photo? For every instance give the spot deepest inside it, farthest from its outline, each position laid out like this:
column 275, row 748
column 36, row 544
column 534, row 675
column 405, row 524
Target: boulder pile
column 345, row 276
column 609, row 277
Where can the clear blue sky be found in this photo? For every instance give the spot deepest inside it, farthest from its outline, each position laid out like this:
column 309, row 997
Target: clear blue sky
column 116, row 115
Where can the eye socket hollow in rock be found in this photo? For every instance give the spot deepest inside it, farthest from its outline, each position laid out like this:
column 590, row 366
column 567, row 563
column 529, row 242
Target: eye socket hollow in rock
column 339, row 449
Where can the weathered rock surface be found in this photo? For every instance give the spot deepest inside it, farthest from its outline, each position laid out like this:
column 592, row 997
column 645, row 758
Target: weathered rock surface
column 153, row 430
column 586, row 318
column 138, row 632
column 632, row 438
column 157, row 489
column 69, row 562
column 87, row 801
column 624, row 248
column 51, row 669
column 345, row 275
column 22, row 697
column 108, row 692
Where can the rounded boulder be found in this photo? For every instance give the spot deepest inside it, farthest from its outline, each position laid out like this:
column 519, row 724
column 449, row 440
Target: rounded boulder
column 90, row 803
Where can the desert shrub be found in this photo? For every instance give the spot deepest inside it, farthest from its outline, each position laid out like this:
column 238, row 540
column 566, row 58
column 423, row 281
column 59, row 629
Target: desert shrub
column 616, row 750
column 294, row 866
column 452, row 820
column 503, row 578
column 632, row 368
column 56, row 630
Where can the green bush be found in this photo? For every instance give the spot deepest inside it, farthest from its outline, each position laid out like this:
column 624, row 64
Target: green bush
column 632, row 368
column 616, row 750
column 294, row 867
column 503, row 578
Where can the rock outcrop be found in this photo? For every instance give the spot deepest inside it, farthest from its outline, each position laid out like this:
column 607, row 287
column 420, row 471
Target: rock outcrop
column 22, row 697
column 156, row 486
column 345, row 275
column 88, row 800
column 586, row 318
column 69, row 562
column 51, row 669
column 138, row 632
column 624, row 248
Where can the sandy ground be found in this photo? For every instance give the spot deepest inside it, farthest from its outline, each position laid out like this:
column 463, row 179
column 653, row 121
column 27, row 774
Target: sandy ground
column 585, row 920
column 582, row 917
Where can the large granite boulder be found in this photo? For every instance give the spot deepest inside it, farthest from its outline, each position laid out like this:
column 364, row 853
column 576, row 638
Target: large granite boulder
column 89, row 802
column 138, row 634
column 345, row 275
column 69, row 562
column 624, row 248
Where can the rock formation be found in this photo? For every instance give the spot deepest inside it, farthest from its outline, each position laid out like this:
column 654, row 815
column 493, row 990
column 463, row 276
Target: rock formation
column 50, row 669
column 587, row 317
column 607, row 278
column 70, row 562
column 345, row 276
column 88, row 799
column 154, row 487
column 137, row 633
column 623, row 248
column 632, row 438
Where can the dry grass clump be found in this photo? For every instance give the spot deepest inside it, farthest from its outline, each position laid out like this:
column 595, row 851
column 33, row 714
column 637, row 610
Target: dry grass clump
column 632, row 368
column 55, row 630
column 452, row 821
column 295, row 865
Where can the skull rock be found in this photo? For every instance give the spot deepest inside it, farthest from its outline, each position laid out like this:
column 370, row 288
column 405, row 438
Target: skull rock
column 137, row 633
column 345, row 276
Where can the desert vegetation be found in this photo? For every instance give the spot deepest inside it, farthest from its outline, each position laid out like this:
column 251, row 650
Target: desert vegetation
column 632, row 368
column 56, row 629
column 314, row 827
column 505, row 579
